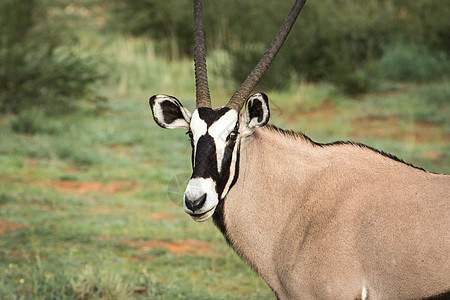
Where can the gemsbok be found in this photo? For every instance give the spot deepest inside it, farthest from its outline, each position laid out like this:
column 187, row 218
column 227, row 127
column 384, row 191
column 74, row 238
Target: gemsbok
column 315, row 221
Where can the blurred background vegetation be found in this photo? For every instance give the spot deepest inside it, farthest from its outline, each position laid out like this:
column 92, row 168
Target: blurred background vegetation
column 352, row 44
column 41, row 63
column 85, row 173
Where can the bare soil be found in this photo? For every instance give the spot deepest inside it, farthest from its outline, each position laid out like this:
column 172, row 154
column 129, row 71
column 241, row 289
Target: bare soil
column 78, row 187
column 9, row 226
column 192, row 246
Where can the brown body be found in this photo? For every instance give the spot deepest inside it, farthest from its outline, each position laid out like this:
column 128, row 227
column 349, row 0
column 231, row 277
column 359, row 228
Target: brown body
column 326, row 222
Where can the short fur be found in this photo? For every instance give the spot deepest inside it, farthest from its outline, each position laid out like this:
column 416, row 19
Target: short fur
column 324, row 222
column 316, row 221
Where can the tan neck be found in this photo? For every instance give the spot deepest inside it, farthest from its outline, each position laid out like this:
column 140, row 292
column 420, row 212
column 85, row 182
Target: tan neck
column 256, row 208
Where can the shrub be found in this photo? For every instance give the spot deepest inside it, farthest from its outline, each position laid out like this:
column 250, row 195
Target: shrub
column 332, row 40
column 168, row 22
column 403, row 62
column 431, row 103
column 39, row 65
column 354, row 83
column 35, row 121
column 245, row 58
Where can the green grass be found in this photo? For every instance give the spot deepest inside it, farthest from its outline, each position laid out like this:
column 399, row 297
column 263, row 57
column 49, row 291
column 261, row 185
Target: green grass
column 72, row 243
column 81, row 193
column 75, row 242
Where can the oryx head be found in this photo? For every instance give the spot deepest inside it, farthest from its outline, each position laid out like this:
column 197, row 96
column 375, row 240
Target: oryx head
column 216, row 134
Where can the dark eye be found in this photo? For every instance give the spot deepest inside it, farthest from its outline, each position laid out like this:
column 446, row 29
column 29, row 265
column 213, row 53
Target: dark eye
column 189, row 133
column 233, row 135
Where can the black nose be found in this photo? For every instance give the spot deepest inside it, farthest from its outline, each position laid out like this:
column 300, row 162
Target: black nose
column 195, row 204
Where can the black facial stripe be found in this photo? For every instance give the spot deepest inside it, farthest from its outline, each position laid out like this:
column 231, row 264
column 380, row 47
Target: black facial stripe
column 209, row 115
column 192, row 153
column 236, row 170
column 226, row 165
column 205, row 159
column 218, row 216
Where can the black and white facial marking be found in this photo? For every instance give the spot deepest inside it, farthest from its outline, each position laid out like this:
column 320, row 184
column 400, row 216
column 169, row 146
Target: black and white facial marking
column 215, row 141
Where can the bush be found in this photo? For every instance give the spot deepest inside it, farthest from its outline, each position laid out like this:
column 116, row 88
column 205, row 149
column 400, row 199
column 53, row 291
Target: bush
column 244, row 59
column 356, row 82
column 432, row 104
column 402, row 62
column 332, row 40
column 34, row 121
column 169, row 22
column 39, row 65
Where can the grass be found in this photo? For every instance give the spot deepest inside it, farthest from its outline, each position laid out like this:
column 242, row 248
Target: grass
column 74, row 199
column 88, row 202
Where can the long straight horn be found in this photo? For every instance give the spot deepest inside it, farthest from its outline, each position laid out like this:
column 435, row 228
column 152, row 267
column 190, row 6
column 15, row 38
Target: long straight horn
column 203, row 98
column 238, row 99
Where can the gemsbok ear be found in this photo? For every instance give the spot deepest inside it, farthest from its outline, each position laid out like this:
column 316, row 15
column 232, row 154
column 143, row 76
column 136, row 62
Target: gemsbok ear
column 168, row 112
column 257, row 112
